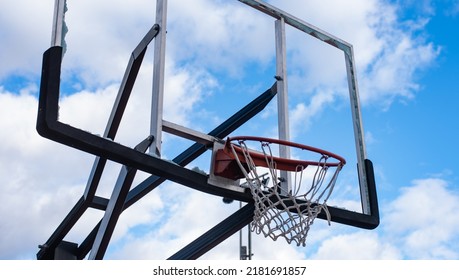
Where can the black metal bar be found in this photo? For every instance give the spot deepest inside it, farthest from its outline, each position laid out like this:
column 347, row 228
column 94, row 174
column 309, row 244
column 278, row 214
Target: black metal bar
column 373, row 195
column 356, row 219
column 115, row 206
column 128, row 82
column 216, row 235
column 94, row 178
column 99, row 203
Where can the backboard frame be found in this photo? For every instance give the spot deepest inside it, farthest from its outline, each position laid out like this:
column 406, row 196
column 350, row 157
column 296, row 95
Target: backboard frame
column 348, row 51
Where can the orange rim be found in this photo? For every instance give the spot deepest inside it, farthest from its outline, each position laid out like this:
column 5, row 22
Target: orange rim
column 281, row 163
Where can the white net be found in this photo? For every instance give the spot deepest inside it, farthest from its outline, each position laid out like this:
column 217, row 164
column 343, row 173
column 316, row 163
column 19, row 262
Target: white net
column 286, row 214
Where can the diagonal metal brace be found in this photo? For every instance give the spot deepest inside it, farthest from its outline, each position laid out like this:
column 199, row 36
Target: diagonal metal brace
column 115, row 206
column 217, row 234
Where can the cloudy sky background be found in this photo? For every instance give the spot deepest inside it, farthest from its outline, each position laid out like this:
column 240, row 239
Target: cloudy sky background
column 220, row 55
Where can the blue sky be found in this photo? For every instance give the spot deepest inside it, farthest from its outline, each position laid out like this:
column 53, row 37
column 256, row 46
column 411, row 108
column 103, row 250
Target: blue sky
column 220, row 55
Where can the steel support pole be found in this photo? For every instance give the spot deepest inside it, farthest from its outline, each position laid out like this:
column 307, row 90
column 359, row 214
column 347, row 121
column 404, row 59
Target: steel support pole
column 245, row 251
column 159, row 62
column 57, row 35
column 358, row 130
column 282, row 99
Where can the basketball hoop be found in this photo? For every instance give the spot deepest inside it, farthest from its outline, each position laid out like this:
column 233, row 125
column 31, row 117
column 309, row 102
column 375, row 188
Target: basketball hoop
column 278, row 211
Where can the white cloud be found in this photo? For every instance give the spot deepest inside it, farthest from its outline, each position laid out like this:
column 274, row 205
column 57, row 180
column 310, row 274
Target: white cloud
column 224, row 35
column 424, row 215
column 185, row 215
column 388, row 53
column 455, row 9
column 102, row 36
column 83, row 110
column 184, row 219
column 361, row 245
column 418, row 224
column 37, row 188
column 145, row 212
column 392, row 76
column 185, row 88
column 25, row 30
column 304, row 114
